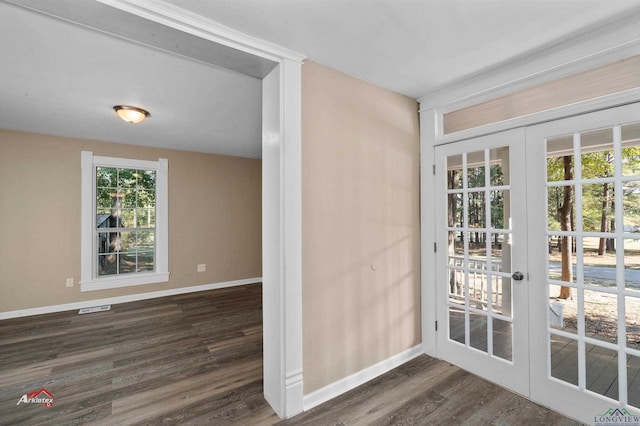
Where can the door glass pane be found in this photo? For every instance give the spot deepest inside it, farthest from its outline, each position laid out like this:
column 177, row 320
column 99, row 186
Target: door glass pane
column 478, row 290
column 632, row 321
column 500, row 252
column 478, row 331
column 560, row 159
column 499, row 214
column 631, row 205
column 558, row 269
column 598, row 208
column 563, row 311
column 630, row 153
column 477, row 210
column 597, row 153
column 502, row 339
column 501, row 301
column 633, row 380
column 455, row 210
column 499, row 166
column 602, row 370
column 454, row 172
column 477, row 250
column 475, row 170
column 601, row 315
column 564, row 358
column 599, row 261
column 456, row 324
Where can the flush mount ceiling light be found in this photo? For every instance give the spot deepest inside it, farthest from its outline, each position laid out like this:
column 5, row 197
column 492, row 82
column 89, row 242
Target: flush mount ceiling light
column 131, row 114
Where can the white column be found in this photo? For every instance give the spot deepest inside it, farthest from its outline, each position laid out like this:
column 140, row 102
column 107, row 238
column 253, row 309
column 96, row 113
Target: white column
column 282, row 238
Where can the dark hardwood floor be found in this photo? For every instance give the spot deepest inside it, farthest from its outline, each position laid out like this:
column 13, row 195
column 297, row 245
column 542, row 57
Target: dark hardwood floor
column 197, row 359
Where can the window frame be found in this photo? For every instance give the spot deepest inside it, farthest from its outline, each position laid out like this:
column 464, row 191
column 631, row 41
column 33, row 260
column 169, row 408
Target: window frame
column 89, row 280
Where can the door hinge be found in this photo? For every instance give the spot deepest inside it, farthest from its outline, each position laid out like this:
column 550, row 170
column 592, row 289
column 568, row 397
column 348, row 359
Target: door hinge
column 434, row 169
column 435, row 247
column 436, row 325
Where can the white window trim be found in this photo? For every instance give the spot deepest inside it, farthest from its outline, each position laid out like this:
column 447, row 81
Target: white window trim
column 88, row 280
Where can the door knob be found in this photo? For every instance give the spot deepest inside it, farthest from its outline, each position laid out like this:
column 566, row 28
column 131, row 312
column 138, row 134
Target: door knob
column 518, row 276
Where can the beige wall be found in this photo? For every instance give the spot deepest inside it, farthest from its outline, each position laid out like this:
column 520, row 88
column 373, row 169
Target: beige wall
column 360, row 225
column 214, row 218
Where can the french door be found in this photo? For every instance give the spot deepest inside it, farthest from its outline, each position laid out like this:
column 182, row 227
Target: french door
column 584, row 262
column 539, row 271
column 482, row 251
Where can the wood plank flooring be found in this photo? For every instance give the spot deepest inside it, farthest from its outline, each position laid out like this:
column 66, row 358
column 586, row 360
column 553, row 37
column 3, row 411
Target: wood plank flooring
column 196, row 359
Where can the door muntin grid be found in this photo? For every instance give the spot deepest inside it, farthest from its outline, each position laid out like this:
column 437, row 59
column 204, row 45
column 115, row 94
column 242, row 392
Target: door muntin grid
column 479, row 299
column 593, row 233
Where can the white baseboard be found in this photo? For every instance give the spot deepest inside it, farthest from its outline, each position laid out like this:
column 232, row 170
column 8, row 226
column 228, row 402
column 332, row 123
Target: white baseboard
column 344, row 385
column 124, row 299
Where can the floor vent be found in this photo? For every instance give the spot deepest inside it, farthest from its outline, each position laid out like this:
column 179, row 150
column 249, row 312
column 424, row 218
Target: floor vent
column 95, row 309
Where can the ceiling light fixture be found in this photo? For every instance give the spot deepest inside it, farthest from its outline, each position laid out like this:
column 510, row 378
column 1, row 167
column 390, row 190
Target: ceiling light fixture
column 131, row 114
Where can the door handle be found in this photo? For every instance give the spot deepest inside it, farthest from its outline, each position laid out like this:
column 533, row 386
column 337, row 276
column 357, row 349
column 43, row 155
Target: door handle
column 518, row 276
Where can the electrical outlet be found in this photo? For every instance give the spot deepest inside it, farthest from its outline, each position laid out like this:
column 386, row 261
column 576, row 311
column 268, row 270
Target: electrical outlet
column 201, row 267
column 69, row 282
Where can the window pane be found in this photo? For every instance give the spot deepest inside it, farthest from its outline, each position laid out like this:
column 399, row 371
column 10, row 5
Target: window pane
column 596, row 149
column 478, row 290
column 632, row 264
column 631, row 206
column 499, row 158
column 106, row 177
column 104, row 198
column 602, row 370
column 147, row 179
column 560, row 159
column 563, row 311
column 562, row 264
column 500, row 252
column 476, row 210
column 630, row 151
column 455, row 285
column 129, row 198
column 455, row 211
column 598, row 211
column 456, row 324
column 475, row 170
column 126, row 178
column 632, row 321
column 599, row 257
column 601, row 315
column 454, row 172
column 478, row 331
column 499, row 210
column 502, row 339
column 633, row 380
column 564, row 358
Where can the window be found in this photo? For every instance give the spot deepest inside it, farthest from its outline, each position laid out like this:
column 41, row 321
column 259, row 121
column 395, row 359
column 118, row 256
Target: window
column 124, row 222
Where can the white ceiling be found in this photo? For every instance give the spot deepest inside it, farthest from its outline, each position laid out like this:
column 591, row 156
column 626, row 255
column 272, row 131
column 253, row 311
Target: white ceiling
column 205, row 97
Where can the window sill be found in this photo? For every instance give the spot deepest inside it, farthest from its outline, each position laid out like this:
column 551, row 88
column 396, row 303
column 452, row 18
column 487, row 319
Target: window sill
column 107, row 283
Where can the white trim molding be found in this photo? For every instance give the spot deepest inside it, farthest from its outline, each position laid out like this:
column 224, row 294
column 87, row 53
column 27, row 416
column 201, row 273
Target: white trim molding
column 361, row 377
column 124, row 299
column 282, row 238
column 191, row 23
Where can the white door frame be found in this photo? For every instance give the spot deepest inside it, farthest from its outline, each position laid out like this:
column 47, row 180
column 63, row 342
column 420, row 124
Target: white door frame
column 281, row 196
